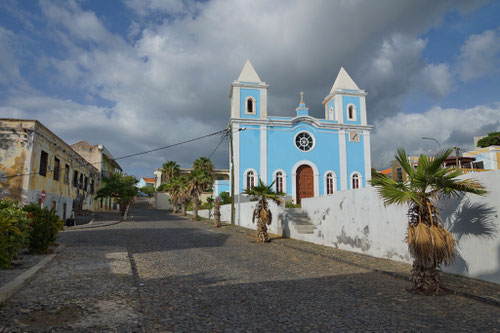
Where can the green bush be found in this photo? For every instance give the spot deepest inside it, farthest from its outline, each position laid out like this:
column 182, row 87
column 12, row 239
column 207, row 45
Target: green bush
column 290, row 204
column 14, row 231
column 45, row 225
column 225, row 198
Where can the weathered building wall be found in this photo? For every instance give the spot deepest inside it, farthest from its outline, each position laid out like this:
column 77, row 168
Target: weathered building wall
column 16, row 146
column 52, row 173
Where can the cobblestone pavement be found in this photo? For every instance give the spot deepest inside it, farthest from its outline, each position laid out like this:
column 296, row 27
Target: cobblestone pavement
column 162, row 273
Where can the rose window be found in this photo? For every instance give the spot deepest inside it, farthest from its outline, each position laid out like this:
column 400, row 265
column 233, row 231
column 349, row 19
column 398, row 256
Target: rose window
column 304, row 141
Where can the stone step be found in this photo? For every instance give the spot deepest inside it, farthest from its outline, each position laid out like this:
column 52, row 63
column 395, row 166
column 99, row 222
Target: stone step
column 304, row 229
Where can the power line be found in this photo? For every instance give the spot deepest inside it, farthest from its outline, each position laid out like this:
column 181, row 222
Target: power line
column 222, row 139
column 131, row 155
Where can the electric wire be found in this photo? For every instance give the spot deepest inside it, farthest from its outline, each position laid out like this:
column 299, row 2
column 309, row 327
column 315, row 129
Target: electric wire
column 131, row 155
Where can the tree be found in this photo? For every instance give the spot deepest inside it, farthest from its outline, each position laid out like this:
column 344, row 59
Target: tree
column 493, row 139
column 170, row 169
column 148, row 190
column 429, row 242
column 200, row 179
column 178, row 190
column 121, row 187
column 262, row 211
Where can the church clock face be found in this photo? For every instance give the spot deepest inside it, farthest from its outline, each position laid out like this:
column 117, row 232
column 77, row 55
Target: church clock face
column 304, row 141
column 354, row 136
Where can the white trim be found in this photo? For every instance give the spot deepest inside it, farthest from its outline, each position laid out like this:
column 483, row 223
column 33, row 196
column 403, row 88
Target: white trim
column 362, row 111
column 312, row 136
column 284, row 179
column 263, row 153
column 263, row 103
column 343, row 160
column 339, row 108
column 355, row 112
column 360, row 179
column 236, row 157
column 255, row 178
column 254, row 105
column 331, row 113
column 290, row 122
column 368, row 161
column 235, row 102
column 294, row 178
column 334, row 182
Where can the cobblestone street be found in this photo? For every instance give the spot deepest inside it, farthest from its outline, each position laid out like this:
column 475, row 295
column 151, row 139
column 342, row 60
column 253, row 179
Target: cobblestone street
column 158, row 272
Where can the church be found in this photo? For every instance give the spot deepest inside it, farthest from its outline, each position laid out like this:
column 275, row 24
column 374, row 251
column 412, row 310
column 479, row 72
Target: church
column 304, row 156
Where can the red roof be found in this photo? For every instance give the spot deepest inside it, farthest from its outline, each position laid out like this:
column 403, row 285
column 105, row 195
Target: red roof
column 149, row 180
column 386, row 171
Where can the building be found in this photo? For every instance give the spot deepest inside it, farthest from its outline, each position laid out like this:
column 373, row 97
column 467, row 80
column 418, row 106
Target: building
column 304, row 156
column 146, row 181
column 486, row 158
column 37, row 166
column 105, row 163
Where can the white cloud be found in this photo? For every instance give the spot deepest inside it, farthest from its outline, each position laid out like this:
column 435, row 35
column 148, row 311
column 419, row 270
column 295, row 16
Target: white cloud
column 170, row 82
column 480, row 55
column 451, row 127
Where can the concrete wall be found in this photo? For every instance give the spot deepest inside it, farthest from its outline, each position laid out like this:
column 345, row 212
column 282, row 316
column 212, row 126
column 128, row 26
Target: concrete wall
column 243, row 216
column 162, row 201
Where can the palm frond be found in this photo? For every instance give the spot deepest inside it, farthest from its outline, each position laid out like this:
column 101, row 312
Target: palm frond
column 403, row 160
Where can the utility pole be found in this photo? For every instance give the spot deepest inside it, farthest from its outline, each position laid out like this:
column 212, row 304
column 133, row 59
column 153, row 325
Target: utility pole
column 230, row 128
column 456, row 156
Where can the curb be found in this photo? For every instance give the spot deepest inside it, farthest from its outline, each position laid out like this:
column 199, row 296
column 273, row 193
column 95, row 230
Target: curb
column 9, row 289
column 89, row 226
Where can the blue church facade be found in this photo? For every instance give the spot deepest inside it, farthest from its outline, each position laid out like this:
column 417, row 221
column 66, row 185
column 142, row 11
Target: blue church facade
column 304, row 156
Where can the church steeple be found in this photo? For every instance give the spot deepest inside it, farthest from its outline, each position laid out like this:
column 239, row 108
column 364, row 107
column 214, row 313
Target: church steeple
column 248, row 95
column 302, row 110
column 343, row 81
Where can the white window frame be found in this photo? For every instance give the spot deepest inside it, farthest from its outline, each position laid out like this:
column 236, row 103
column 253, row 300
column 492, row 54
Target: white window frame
column 355, row 113
column 325, row 184
column 255, row 178
column 360, row 178
column 313, row 138
column 283, row 173
column 254, row 105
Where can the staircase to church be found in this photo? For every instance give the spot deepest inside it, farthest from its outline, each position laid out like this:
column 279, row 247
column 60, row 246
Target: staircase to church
column 300, row 221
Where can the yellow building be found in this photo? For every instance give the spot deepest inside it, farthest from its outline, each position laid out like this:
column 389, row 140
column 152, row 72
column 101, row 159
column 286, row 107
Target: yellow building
column 102, row 159
column 37, row 166
column 397, row 173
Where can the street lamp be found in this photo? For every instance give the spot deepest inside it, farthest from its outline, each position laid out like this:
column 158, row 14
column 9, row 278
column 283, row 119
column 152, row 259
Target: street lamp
column 427, row 138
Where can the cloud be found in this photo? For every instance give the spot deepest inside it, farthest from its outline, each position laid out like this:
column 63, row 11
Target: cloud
column 480, row 55
column 451, row 127
column 166, row 77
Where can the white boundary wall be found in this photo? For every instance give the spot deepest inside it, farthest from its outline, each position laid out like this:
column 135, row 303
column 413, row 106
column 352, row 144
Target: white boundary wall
column 357, row 220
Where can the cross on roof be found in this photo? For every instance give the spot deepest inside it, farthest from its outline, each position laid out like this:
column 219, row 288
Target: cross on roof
column 301, row 97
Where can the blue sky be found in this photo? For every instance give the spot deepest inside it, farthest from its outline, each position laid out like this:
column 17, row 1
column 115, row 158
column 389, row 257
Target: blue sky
column 135, row 75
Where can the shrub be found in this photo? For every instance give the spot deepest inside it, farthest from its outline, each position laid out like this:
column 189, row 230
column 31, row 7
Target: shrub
column 225, row 198
column 45, row 225
column 14, row 231
column 290, row 204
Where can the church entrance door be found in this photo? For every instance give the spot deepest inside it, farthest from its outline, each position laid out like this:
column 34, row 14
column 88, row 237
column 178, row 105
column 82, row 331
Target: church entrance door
column 305, row 182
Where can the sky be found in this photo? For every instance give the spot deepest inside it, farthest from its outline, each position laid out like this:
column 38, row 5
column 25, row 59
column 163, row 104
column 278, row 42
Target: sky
column 136, row 75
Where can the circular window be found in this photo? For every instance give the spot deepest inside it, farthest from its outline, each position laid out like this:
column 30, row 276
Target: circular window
column 304, row 141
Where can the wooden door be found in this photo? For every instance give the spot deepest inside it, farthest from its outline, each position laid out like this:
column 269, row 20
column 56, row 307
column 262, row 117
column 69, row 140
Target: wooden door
column 305, row 183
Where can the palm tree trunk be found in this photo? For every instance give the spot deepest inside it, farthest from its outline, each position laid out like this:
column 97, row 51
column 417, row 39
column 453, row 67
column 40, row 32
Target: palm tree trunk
column 195, row 206
column 425, row 278
column 183, row 208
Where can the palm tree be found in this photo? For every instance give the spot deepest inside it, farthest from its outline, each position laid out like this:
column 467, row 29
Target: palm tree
column 178, row 190
column 262, row 211
column 217, row 223
column 199, row 181
column 205, row 164
column 429, row 242
column 170, row 169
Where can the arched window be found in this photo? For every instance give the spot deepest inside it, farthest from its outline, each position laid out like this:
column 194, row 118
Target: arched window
column 250, row 179
column 279, row 182
column 330, row 184
column 351, row 112
column 355, row 181
column 249, row 105
column 332, row 116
